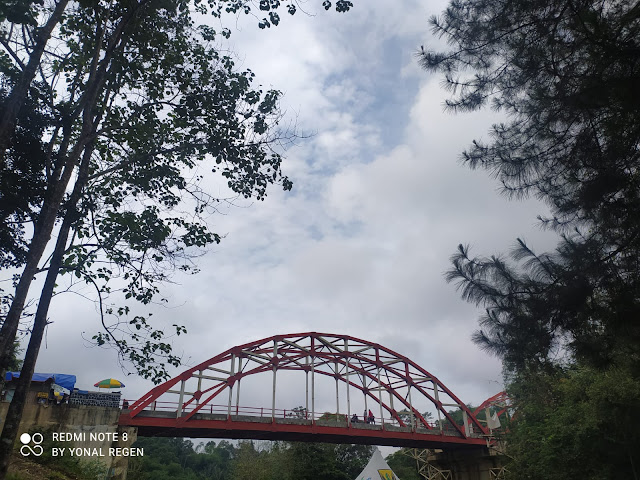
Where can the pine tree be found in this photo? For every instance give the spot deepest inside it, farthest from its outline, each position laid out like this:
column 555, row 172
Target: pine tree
column 564, row 73
column 566, row 323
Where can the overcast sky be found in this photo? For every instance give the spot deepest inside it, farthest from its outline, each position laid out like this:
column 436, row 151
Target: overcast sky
column 380, row 202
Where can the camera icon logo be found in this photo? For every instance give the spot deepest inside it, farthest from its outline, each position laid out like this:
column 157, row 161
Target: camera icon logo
column 27, row 449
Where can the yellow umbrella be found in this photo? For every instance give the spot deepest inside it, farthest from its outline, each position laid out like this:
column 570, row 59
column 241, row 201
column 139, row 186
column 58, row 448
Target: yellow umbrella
column 109, row 383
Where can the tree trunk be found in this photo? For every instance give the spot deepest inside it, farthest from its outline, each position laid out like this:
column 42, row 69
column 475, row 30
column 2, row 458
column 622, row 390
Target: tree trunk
column 42, row 234
column 51, row 206
column 14, row 414
column 19, row 92
column 38, row 244
column 40, row 240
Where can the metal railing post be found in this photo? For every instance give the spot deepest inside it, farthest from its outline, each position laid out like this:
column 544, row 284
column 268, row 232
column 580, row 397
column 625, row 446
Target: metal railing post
column 346, row 351
column 337, row 394
column 435, row 395
column 306, row 388
column 273, row 396
column 380, row 399
column 233, row 366
column 411, row 417
column 199, row 386
column 465, row 420
column 181, row 399
column 313, row 389
column 238, row 395
column 366, row 410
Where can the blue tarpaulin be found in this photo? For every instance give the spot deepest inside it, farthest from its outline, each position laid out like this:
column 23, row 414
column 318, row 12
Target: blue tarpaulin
column 62, row 379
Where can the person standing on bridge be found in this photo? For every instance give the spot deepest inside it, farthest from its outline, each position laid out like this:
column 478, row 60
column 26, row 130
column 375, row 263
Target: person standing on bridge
column 372, row 419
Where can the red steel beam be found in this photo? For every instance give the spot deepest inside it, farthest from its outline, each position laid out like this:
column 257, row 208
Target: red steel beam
column 148, row 425
column 322, row 346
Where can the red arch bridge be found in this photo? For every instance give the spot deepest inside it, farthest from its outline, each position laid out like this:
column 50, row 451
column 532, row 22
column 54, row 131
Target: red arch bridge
column 335, row 377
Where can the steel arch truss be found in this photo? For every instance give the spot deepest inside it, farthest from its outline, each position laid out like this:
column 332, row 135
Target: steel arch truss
column 496, row 407
column 391, row 382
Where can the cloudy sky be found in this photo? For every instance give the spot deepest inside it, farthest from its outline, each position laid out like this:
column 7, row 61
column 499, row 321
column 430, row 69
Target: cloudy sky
column 380, row 202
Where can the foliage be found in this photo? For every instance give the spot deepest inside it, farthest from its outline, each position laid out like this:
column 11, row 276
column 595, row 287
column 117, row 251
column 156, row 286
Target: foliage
column 16, row 363
column 457, row 416
column 114, row 117
column 66, row 465
column 106, row 135
column 270, row 462
column 298, row 412
column 352, row 459
column 176, row 458
column 272, row 6
column 405, row 416
column 14, row 476
column 22, row 179
column 56, row 476
column 333, row 417
column 321, row 460
column 576, row 423
column 565, row 322
column 563, row 74
column 167, row 458
column 14, row 351
column 567, row 305
column 132, row 123
column 403, row 466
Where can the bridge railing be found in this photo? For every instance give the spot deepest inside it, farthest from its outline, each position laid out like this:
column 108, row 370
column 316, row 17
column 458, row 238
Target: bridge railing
column 288, row 414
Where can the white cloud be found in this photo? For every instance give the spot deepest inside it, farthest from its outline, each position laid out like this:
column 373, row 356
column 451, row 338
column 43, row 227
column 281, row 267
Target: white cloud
column 380, row 203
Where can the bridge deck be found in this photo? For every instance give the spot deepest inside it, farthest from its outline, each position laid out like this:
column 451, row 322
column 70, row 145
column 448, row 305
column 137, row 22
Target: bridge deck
column 204, row 425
